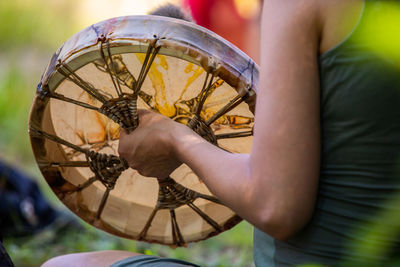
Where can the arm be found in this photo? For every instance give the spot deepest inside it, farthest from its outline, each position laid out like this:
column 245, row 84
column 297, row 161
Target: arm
column 274, row 187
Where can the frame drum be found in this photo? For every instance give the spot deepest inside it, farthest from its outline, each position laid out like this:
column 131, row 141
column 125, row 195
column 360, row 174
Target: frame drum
column 94, row 85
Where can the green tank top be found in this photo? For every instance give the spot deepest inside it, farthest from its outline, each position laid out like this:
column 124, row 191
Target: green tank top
column 360, row 124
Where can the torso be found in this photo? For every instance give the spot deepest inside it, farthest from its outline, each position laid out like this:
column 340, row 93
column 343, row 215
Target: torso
column 360, row 100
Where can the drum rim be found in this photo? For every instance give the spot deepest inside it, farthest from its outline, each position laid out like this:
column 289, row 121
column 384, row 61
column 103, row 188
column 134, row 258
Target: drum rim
column 238, row 64
column 40, row 103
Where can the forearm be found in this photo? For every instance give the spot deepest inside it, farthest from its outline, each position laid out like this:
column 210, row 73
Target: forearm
column 265, row 201
column 274, row 187
column 223, row 172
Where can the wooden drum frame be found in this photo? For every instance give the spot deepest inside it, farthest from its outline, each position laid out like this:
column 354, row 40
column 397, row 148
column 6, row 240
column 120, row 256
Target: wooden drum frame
column 94, row 85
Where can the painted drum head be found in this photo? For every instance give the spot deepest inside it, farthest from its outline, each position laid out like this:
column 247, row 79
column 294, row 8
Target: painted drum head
column 94, row 85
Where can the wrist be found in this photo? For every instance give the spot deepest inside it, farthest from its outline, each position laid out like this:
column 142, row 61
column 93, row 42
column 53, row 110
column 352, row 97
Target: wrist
column 174, row 140
column 181, row 140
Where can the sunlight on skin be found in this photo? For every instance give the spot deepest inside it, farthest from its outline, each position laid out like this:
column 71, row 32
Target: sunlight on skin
column 93, row 11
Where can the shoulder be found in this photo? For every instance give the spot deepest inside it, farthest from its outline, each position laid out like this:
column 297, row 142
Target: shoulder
column 292, row 9
column 294, row 18
column 329, row 21
column 338, row 19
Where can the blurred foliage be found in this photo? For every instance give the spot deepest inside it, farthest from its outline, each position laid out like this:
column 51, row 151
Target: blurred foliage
column 372, row 237
column 36, row 22
column 14, row 107
column 232, row 248
column 31, row 31
column 381, row 30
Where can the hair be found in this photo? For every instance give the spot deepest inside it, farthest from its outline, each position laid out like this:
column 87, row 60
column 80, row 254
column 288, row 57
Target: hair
column 171, row 11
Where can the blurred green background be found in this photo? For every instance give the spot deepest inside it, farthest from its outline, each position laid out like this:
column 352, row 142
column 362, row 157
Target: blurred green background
column 31, row 31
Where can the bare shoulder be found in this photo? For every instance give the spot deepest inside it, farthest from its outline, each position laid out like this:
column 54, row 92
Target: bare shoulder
column 330, row 21
column 338, row 19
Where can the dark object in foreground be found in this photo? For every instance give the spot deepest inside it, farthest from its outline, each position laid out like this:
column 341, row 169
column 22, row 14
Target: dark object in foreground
column 5, row 260
column 24, row 211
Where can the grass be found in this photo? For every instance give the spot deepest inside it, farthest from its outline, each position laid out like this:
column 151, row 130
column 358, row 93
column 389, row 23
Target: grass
column 232, row 248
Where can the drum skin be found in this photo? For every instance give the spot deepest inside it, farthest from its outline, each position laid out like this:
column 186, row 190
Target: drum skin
column 66, row 136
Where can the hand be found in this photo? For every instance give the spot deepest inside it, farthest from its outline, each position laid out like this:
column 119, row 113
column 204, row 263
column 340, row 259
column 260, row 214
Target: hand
column 149, row 148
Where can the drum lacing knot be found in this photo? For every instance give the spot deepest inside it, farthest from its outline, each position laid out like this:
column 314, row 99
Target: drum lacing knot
column 172, row 195
column 107, row 168
column 202, row 129
column 102, row 38
column 122, row 110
